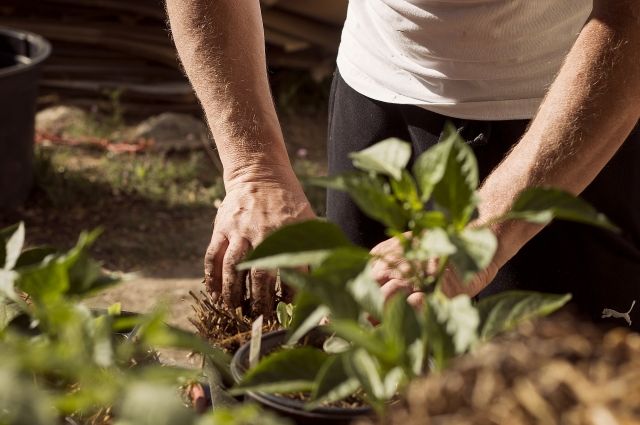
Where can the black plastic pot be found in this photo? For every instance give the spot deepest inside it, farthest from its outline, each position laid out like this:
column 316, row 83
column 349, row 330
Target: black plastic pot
column 292, row 409
column 21, row 54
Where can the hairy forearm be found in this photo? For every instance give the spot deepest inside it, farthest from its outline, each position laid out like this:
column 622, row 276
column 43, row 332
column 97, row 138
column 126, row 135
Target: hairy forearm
column 221, row 46
column 588, row 113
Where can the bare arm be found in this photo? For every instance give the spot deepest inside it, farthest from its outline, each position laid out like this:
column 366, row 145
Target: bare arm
column 588, row 113
column 221, row 45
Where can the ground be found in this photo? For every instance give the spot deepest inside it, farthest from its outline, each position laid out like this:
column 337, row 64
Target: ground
column 156, row 209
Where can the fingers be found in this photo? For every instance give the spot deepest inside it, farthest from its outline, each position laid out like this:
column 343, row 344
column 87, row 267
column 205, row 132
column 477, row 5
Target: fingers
column 263, row 286
column 233, row 280
column 416, row 300
column 395, row 286
column 385, row 270
column 213, row 264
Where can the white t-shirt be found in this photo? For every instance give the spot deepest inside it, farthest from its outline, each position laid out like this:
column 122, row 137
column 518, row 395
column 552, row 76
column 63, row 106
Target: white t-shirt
column 474, row 59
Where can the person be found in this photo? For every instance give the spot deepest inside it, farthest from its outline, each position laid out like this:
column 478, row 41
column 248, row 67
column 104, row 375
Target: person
column 546, row 92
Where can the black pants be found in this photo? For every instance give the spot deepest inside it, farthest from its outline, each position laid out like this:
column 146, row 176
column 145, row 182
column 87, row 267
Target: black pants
column 601, row 269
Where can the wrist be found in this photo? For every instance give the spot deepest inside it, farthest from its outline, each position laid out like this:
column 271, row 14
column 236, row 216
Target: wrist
column 263, row 174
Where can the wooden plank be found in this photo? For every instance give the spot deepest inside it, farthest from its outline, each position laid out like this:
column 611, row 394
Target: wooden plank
column 322, row 35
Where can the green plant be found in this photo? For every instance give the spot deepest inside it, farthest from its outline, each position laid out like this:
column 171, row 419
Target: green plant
column 60, row 360
column 380, row 360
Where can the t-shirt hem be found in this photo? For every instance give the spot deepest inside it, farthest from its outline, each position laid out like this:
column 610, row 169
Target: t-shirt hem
column 494, row 110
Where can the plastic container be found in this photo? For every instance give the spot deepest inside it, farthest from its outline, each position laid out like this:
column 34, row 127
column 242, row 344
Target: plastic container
column 21, row 57
column 289, row 408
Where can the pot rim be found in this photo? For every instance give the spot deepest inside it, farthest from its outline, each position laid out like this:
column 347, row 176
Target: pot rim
column 41, row 43
column 283, row 403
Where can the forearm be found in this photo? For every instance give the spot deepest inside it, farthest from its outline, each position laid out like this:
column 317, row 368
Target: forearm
column 221, row 46
column 588, row 113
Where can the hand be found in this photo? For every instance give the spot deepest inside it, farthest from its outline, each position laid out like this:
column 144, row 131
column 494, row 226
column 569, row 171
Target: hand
column 250, row 211
column 392, row 271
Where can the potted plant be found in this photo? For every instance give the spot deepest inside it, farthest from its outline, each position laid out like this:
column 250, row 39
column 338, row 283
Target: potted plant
column 375, row 360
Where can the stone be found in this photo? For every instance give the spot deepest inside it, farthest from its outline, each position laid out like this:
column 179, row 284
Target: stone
column 173, row 132
column 58, row 120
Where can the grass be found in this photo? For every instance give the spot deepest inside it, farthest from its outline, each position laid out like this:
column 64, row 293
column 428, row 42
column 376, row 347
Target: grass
column 68, row 176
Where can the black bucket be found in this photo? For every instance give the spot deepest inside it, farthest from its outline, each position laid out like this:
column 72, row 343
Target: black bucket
column 289, row 408
column 21, row 56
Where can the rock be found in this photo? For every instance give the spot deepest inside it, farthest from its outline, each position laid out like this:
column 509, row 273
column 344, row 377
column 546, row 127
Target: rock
column 59, row 120
column 171, row 131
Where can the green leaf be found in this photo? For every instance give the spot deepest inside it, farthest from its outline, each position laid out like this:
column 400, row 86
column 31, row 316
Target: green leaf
column 456, row 191
column 342, row 265
column 350, row 330
column 284, row 313
column 434, row 243
column 285, row 371
column 542, row 205
column 475, row 249
column 436, row 337
column 306, row 316
column 366, row 292
column 306, row 243
column 502, row 312
column 430, row 167
column 8, row 311
column 364, row 368
column 428, row 220
column 33, row 256
column 333, row 383
column 460, row 319
column 13, row 247
column 406, row 191
column 401, row 328
column 341, row 304
column 388, row 157
column 335, row 345
column 7, row 282
column 46, row 281
column 373, row 197
column 156, row 333
column 393, row 380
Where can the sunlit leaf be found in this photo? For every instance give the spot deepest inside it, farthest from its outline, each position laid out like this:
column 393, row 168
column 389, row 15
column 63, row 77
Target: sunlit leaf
column 392, row 382
column 434, row 243
column 335, row 345
column 366, row 291
column 455, row 191
column 373, row 197
column 13, row 247
column 406, row 190
column 542, row 205
column 329, row 294
column 475, row 249
column 333, row 383
column 363, row 338
column 401, row 327
column 306, row 243
column 364, row 367
column 388, row 157
column 502, row 312
column 459, row 318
